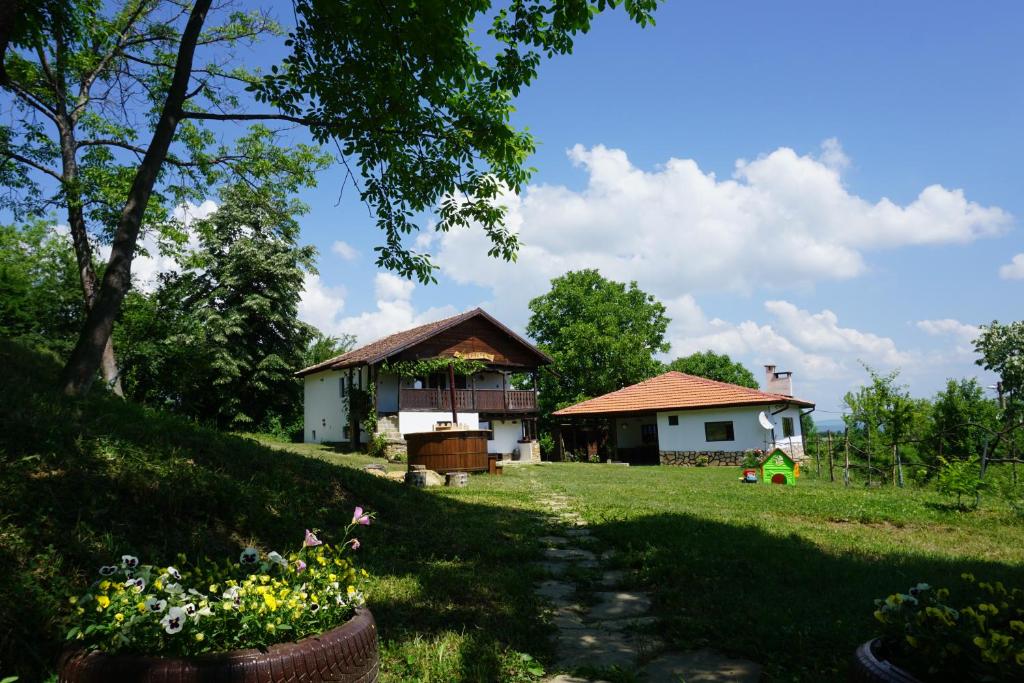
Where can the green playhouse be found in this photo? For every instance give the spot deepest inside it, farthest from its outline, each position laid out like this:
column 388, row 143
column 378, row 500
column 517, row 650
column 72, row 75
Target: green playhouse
column 779, row 468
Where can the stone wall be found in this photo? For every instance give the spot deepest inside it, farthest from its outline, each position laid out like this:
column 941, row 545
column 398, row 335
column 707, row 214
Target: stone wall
column 693, row 458
column 725, row 458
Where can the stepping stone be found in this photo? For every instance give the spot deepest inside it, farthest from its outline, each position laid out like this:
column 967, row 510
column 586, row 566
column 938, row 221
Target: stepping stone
column 565, row 678
column 639, row 623
column 556, row 591
column 619, row 605
column 568, row 554
column 597, row 648
column 553, row 540
column 612, row 578
column 701, row 666
column 578, row 533
column 567, row 618
column 559, row 568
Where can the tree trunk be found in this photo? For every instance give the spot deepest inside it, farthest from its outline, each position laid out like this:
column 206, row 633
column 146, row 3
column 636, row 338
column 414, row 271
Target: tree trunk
column 83, row 249
column 87, row 355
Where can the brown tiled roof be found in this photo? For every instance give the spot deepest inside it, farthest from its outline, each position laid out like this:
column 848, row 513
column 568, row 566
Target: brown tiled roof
column 387, row 346
column 675, row 391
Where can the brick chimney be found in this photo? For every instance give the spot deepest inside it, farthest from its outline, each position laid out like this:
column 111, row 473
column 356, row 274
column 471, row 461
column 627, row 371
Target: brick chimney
column 778, row 382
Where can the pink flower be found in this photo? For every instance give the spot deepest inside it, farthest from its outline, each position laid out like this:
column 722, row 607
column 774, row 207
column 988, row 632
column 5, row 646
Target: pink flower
column 300, row 566
column 359, row 517
column 354, row 543
column 311, row 540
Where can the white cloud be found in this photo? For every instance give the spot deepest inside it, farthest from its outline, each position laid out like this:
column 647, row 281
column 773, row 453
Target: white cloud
column 1014, row 270
column 394, row 312
column 345, row 250
column 321, row 305
column 782, row 220
column 963, row 334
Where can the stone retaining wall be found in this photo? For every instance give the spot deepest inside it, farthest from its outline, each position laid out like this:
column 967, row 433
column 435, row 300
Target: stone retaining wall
column 693, row 458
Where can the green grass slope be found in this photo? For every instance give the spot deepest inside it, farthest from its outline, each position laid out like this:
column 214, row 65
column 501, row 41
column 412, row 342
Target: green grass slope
column 82, row 482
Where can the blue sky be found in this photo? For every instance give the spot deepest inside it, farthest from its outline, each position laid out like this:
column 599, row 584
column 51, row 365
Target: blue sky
column 808, row 184
column 909, row 95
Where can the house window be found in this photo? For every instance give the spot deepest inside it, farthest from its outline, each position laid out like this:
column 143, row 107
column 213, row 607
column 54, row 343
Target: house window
column 673, row 420
column 341, row 387
column 718, row 431
column 787, row 427
column 649, row 433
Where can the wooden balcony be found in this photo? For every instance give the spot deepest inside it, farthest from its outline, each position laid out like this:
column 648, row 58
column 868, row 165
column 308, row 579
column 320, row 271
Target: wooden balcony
column 468, row 400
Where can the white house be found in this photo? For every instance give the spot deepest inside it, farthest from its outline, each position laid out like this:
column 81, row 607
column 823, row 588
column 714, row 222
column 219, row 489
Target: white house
column 679, row 419
column 404, row 404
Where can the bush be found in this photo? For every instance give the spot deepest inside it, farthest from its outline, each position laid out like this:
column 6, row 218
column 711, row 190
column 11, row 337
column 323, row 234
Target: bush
column 702, row 461
column 547, row 445
column 982, row 640
column 960, row 478
column 377, row 446
column 752, row 458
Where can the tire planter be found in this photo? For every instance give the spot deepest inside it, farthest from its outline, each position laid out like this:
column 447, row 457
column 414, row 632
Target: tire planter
column 347, row 654
column 870, row 666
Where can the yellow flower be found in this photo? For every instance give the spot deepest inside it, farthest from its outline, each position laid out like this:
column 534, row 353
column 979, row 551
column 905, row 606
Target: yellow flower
column 158, row 584
column 350, row 590
column 879, row 616
column 103, row 601
column 270, row 600
column 73, row 600
column 119, row 617
column 271, row 627
column 104, row 585
column 200, row 637
column 214, row 588
column 141, row 607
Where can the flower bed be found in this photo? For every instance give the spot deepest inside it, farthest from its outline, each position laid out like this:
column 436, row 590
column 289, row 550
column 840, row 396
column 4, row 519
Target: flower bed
column 189, row 610
column 982, row 639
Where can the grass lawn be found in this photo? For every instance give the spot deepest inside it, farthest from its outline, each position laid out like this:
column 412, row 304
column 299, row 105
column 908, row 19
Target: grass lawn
column 782, row 575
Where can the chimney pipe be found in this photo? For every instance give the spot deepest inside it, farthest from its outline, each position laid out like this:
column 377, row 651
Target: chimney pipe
column 778, row 382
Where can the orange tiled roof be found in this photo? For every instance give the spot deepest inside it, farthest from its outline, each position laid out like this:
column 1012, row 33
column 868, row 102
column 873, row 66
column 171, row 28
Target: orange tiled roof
column 675, row 391
column 386, row 346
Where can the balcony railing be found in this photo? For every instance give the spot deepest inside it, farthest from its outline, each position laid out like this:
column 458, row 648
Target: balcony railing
column 468, row 400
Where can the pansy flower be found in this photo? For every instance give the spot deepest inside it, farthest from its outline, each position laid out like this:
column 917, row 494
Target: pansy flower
column 155, row 605
column 190, row 609
column 311, row 540
column 129, row 562
column 173, row 588
column 108, row 570
column 277, row 558
column 138, row 584
column 249, row 556
column 360, row 517
column 174, row 621
column 174, row 573
column 314, row 607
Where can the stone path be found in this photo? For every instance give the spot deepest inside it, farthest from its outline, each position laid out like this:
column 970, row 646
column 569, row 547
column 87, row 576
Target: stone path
column 603, row 623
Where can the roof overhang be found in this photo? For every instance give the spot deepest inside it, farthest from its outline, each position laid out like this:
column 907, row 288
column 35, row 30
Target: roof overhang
column 671, row 409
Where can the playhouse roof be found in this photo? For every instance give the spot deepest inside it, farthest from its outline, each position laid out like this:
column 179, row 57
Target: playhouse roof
column 676, row 391
column 771, row 454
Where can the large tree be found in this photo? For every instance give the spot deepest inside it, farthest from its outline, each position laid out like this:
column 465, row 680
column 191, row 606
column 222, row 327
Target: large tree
column 716, row 366
column 963, row 420
column 602, row 334
column 399, row 86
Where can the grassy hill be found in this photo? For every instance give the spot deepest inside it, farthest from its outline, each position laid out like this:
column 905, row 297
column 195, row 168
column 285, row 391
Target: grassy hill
column 83, row 482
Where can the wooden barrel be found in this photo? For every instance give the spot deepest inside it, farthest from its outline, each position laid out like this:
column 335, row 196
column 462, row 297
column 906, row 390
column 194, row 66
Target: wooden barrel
column 449, row 451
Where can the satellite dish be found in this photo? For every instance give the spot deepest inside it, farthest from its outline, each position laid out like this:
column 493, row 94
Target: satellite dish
column 765, row 422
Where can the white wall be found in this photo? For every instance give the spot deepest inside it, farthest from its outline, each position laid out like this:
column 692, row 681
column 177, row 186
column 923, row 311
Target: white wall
column 627, row 430
column 409, row 421
column 387, row 393
column 486, row 380
column 324, row 410
column 506, row 435
column 688, row 435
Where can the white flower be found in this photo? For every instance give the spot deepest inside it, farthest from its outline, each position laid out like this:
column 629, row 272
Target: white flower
column 190, row 609
column 173, row 588
column 138, row 584
column 108, row 570
column 174, row 573
column 129, row 561
column 231, row 593
column 202, row 612
column 174, row 621
column 249, row 556
column 314, row 607
column 193, row 591
column 155, row 605
column 276, row 558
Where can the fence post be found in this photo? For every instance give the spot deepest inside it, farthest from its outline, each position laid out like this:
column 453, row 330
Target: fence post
column 817, row 454
column 899, row 465
column 831, row 472
column 846, row 470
